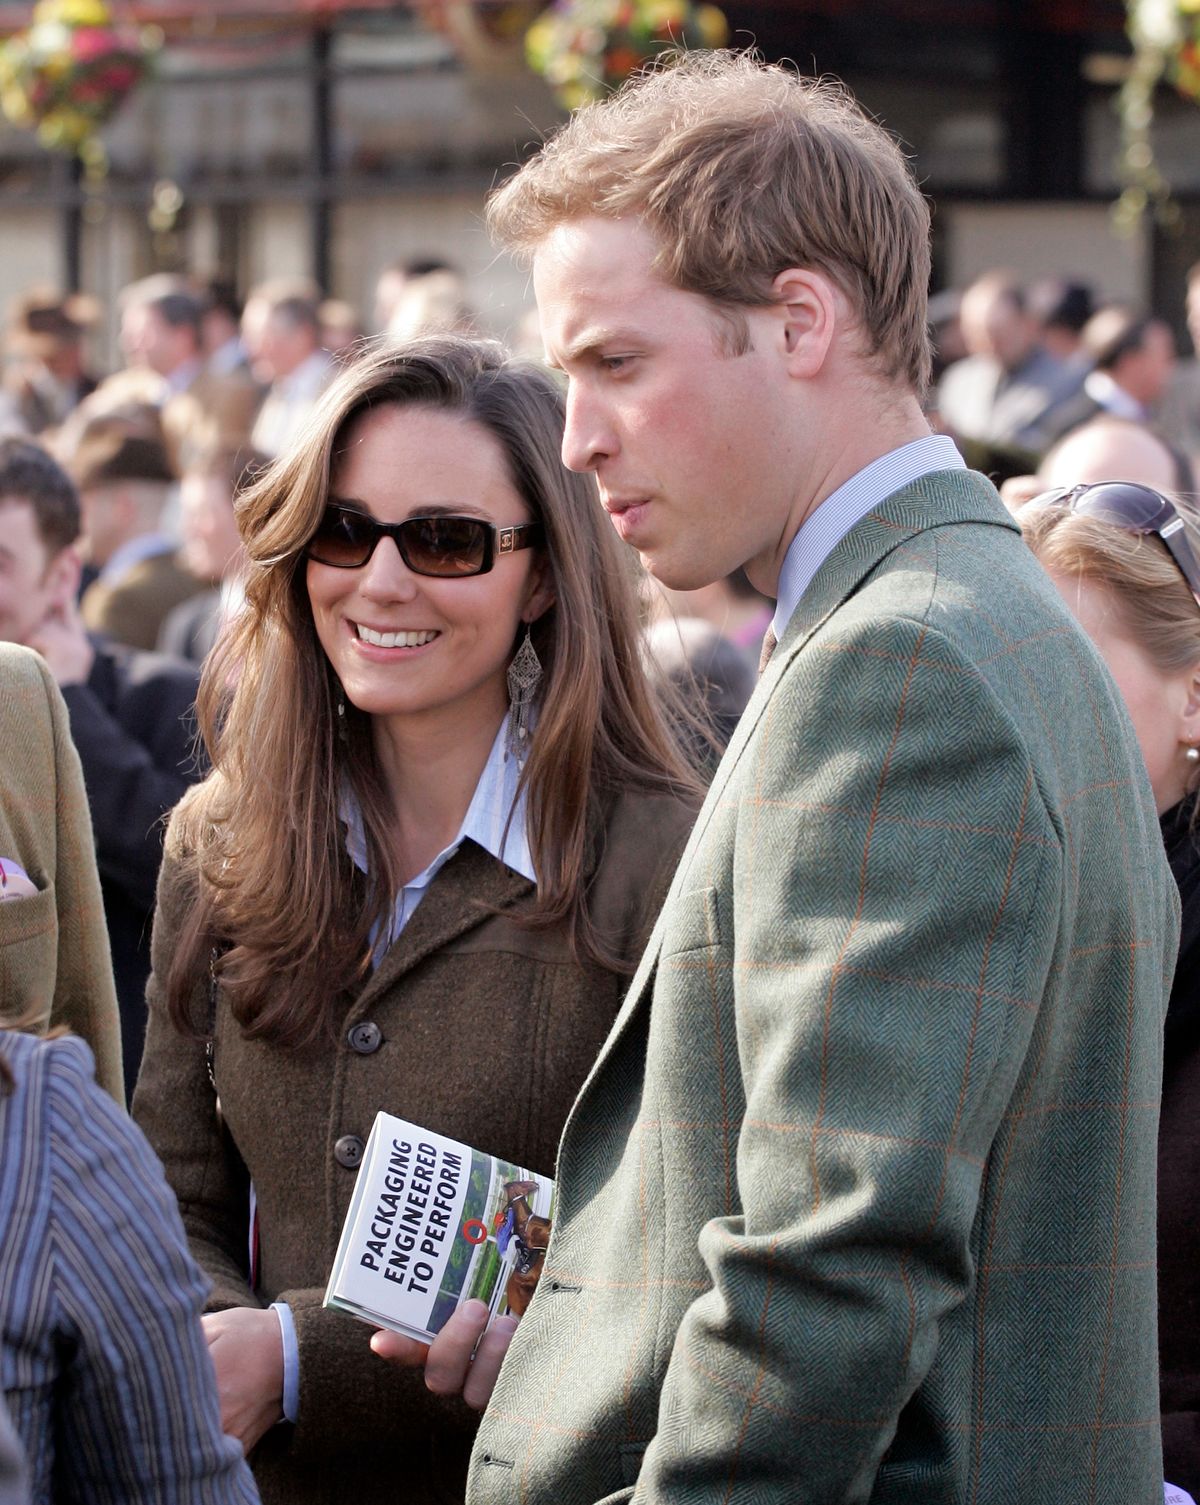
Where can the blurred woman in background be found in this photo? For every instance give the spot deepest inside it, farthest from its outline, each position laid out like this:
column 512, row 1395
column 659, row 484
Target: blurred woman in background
column 1126, row 559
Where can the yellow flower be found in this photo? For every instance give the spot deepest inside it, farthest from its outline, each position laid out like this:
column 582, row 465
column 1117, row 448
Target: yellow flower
column 73, row 12
column 714, row 28
column 15, row 106
column 661, row 14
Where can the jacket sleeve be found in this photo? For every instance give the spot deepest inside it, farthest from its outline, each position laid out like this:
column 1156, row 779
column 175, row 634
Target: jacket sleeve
column 884, row 997
column 139, row 1420
column 138, row 761
column 390, row 1403
column 85, row 999
column 176, row 1107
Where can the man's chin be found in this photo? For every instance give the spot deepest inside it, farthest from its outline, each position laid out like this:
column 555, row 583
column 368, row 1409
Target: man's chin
column 679, row 576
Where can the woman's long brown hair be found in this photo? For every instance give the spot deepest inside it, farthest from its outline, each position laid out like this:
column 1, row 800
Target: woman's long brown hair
column 261, row 842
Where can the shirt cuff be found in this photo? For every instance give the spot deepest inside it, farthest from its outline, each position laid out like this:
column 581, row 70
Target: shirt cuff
column 291, row 1360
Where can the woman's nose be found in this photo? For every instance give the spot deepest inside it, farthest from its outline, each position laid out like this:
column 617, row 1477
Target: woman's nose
column 385, row 576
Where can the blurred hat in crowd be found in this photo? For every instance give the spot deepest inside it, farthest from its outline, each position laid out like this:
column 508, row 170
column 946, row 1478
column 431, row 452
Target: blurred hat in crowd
column 112, row 455
column 42, row 320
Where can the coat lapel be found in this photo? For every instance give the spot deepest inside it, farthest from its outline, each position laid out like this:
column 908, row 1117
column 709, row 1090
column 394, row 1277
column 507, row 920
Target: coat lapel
column 938, row 500
column 469, row 889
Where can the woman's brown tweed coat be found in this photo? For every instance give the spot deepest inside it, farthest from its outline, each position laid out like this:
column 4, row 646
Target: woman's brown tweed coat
column 485, row 1033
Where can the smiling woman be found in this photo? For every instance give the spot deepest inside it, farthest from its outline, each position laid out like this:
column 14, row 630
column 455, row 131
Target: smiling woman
column 396, row 890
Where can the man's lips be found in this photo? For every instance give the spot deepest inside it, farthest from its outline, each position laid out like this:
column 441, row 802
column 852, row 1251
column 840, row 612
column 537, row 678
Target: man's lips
column 627, row 514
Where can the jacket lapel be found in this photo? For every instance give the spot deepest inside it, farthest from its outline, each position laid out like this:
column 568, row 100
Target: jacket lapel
column 468, row 891
column 938, row 500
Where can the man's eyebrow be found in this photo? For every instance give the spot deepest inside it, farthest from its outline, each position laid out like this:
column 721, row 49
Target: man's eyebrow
column 591, row 342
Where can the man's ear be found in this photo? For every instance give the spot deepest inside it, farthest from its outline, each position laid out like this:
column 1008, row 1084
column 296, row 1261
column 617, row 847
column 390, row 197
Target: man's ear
column 809, row 309
column 63, row 575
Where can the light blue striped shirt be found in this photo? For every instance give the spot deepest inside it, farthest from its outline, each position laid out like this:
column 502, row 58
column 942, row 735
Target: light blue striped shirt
column 486, row 823
column 824, row 528
column 104, row 1366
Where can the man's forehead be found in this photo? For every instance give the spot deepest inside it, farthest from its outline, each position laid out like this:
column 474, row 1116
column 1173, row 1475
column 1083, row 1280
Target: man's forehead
column 19, row 531
column 593, row 259
column 595, row 281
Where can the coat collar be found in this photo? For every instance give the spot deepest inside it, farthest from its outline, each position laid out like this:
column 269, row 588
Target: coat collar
column 471, row 887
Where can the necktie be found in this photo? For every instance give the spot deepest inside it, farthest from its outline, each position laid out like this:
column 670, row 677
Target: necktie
column 768, row 648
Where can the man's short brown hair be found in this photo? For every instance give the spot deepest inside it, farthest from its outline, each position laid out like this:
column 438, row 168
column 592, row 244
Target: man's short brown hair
column 742, row 169
column 28, row 473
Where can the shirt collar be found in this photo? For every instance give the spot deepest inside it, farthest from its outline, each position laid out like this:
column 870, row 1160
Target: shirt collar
column 144, row 546
column 1102, row 389
column 825, row 527
column 496, row 795
column 307, row 379
column 183, row 376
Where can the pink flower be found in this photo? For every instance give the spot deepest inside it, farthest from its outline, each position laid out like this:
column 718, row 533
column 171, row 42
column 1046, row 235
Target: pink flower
column 88, row 43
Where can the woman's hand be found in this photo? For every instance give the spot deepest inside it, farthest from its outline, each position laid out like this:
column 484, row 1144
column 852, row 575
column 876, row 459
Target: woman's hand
column 449, row 1368
column 246, row 1347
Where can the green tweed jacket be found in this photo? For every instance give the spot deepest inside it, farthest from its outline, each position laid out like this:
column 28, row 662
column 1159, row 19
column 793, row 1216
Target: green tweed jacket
column 858, row 1201
column 54, row 962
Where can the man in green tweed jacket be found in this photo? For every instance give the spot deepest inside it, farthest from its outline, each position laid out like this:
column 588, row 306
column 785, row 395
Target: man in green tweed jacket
column 858, row 1201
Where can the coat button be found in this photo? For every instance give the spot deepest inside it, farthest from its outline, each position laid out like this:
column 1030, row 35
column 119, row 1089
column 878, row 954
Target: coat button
column 348, row 1151
column 365, row 1038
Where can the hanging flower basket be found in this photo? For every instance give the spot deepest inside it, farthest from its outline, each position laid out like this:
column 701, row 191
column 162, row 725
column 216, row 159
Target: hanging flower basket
column 70, row 71
column 585, row 48
column 487, row 36
column 1183, row 66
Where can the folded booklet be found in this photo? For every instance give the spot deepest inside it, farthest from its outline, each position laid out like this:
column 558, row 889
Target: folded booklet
column 433, row 1223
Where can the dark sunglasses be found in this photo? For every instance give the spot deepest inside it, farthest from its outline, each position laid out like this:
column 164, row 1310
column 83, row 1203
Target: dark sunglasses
column 444, row 546
column 1136, row 509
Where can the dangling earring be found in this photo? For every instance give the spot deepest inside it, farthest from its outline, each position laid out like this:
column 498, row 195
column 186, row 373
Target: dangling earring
column 343, row 734
column 524, row 676
column 1193, row 754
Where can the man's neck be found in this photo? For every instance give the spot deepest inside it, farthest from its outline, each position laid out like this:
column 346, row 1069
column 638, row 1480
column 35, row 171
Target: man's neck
column 850, row 446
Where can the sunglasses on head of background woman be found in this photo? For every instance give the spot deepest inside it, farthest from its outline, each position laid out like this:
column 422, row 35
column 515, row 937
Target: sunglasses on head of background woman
column 1136, row 509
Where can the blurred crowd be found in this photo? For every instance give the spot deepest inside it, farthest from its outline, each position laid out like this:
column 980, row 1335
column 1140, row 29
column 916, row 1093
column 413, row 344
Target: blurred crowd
column 123, row 564
column 1029, row 372
column 126, row 600
column 1042, row 384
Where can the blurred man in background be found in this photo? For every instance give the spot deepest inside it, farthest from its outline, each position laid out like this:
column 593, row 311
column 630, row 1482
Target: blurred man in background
column 283, row 332
column 49, row 377
column 1005, row 388
column 124, row 482
column 130, row 712
column 1132, row 356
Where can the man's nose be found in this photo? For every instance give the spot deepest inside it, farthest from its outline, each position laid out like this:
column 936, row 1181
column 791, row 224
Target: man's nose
column 588, row 436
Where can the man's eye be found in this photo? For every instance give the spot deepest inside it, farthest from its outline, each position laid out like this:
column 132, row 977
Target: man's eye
column 615, row 362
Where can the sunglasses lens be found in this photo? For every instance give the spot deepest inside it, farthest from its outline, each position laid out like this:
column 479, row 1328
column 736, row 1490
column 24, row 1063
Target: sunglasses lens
column 343, row 539
column 445, row 545
column 1124, row 503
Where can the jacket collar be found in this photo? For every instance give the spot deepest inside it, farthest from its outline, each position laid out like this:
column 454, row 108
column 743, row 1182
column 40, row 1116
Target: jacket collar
column 938, row 500
column 471, row 887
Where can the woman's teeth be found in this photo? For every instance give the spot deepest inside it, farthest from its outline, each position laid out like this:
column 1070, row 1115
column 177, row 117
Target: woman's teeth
column 394, row 639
